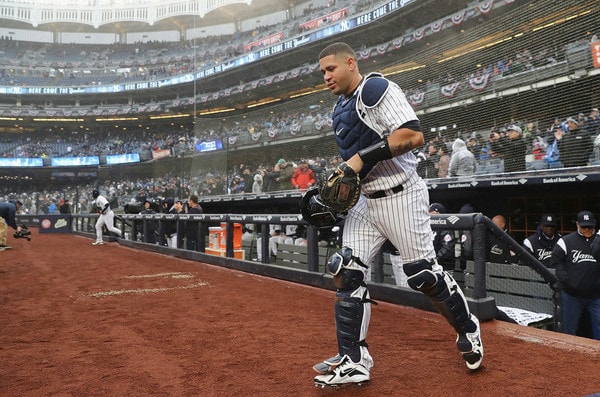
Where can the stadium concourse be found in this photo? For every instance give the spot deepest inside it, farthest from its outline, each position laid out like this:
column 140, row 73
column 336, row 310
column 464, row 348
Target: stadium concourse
column 116, row 321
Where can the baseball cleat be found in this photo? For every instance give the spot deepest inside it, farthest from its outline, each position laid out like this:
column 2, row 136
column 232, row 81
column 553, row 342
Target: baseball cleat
column 347, row 372
column 326, row 366
column 97, row 243
column 470, row 346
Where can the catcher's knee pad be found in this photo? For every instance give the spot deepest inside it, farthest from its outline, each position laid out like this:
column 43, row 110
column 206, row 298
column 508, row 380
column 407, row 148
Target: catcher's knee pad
column 348, row 271
column 352, row 317
column 421, row 277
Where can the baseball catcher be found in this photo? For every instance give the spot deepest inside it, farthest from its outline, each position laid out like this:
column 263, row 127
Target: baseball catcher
column 376, row 130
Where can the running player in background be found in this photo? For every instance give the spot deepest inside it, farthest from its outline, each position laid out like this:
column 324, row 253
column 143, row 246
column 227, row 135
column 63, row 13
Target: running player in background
column 376, row 130
column 107, row 217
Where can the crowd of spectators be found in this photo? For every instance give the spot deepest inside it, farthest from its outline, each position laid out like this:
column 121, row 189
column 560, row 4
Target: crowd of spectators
column 57, row 63
column 45, row 198
column 138, row 139
column 439, row 158
column 484, row 145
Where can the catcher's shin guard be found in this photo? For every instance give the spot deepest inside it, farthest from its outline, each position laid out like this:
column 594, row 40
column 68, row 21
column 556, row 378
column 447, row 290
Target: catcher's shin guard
column 450, row 301
column 352, row 310
column 352, row 317
column 443, row 291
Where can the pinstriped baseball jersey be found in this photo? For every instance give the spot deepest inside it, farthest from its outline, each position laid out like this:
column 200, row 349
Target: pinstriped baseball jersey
column 100, row 202
column 387, row 115
column 402, row 217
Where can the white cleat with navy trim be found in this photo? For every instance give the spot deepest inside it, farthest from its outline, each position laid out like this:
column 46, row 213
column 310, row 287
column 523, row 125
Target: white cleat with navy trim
column 470, row 346
column 347, row 372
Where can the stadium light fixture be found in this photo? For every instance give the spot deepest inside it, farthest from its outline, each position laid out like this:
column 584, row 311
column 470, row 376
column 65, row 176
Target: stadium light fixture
column 265, row 102
column 61, row 120
column 118, row 119
column 170, row 116
column 214, row 111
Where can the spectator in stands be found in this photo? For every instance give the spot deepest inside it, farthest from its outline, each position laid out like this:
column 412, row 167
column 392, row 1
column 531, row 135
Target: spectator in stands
column 498, row 249
column 303, row 177
column 257, row 185
column 318, row 167
column 474, row 146
column 538, row 148
column 511, row 147
column 582, row 122
column 462, row 161
column 552, row 155
column 427, row 160
column 556, row 124
column 541, row 243
column 238, row 185
column 576, row 258
column 575, row 146
column 64, row 207
column 593, row 125
column 530, row 132
column 484, row 154
column 114, row 201
column 444, row 242
column 443, row 164
column 284, row 179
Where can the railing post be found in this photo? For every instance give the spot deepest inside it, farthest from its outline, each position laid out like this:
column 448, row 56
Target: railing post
column 229, row 239
column 265, row 252
column 479, row 258
column 312, row 248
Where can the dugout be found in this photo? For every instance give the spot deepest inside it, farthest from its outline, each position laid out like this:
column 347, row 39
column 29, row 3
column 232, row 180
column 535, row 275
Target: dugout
column 477, row 281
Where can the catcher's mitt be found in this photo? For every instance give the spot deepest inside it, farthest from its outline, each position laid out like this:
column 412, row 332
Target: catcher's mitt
column 340, row 188
column 315, row 212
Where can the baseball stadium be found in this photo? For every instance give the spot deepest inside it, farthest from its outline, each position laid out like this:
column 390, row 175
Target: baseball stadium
column 200, row 197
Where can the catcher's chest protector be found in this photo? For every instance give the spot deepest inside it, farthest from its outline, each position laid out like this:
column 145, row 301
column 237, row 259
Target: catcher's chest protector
column 351, row 133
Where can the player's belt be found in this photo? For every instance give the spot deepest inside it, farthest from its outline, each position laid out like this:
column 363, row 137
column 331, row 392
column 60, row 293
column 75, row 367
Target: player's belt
column 383, row 193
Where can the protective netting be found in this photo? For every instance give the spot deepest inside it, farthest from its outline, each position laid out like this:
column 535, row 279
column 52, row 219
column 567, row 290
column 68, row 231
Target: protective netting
column 473, row 73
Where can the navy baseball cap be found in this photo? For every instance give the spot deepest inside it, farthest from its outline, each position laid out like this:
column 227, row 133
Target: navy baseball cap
column 548, row 220
column 437, row 207
column 586, row 218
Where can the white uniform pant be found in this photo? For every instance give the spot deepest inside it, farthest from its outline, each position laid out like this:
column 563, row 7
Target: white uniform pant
column 107, row 219
column 172, row 240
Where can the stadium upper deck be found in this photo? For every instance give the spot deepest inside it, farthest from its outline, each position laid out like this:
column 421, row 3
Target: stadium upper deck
column 479, row 68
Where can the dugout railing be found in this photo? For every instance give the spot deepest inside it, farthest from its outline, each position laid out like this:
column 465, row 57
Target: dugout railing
column 487, row 285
